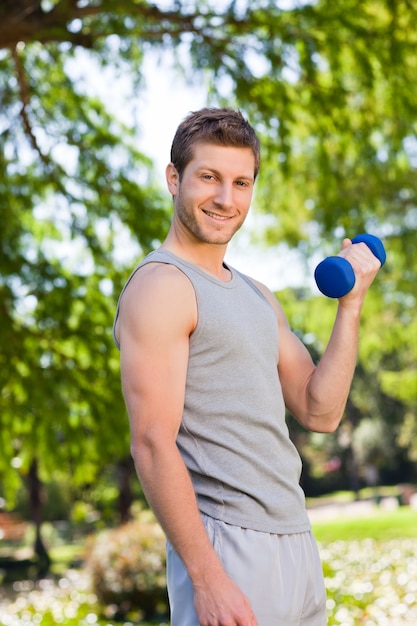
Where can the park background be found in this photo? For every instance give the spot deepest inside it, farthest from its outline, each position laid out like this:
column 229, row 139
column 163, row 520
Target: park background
column 91, row 92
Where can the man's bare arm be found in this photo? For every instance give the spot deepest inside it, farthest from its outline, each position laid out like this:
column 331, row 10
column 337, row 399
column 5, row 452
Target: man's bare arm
column 157, row 315
column 316, row 395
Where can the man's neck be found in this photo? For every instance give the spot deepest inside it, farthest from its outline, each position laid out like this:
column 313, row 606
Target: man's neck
column 208, row 257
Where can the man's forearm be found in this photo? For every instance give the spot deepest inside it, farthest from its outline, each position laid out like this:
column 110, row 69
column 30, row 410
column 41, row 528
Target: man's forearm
column 170, row 494
column 168, row 488
column 330, row 383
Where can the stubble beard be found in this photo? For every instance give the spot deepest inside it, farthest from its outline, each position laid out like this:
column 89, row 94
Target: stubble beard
column 187, row 218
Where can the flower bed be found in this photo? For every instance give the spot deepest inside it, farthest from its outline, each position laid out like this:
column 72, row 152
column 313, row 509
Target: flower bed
column 369, row 584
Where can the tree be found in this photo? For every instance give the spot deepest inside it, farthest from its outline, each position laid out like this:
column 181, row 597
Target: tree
column 71, row 184
column 329, row 87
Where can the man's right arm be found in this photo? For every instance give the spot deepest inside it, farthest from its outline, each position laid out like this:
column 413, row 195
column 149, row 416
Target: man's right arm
column 158, row 312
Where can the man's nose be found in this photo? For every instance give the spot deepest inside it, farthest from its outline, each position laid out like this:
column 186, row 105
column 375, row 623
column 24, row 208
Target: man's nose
column 225, row 196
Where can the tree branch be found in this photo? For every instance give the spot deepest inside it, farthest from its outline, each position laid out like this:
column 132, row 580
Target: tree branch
column 25, row 99
column 25, row 21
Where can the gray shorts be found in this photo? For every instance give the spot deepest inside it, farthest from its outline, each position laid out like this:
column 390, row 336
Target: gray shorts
column 280, row 574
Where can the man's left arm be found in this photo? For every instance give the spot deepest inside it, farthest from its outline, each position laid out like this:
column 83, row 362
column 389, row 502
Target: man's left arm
column 316, row 395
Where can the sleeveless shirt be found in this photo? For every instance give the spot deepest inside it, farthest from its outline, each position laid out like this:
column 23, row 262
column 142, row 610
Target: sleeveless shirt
column 233, row 435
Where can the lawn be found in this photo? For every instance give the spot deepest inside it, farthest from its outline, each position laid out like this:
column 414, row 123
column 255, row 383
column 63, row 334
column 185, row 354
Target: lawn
column 369, row 563
column 379, row 525
column 370, row 568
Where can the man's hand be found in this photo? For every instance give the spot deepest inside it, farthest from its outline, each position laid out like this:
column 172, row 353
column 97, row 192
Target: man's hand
column 365, row 266
column 221, row 603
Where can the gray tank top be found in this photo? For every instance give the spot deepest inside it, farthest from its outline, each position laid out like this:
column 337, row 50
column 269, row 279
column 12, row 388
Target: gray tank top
column 233, row 436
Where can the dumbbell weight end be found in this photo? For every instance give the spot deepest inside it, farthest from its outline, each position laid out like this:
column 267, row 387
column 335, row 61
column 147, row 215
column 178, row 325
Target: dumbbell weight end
column 335, row 276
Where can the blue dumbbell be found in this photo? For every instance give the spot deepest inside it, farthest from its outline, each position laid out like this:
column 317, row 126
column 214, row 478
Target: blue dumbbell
column 335, row 276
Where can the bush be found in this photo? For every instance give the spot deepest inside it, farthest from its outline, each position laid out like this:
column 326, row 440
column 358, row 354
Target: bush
column 127, row 568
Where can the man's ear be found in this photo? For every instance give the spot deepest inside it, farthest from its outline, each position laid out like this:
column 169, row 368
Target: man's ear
column 172, row 178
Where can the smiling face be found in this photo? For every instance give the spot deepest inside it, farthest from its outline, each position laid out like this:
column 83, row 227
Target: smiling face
column 213, row 196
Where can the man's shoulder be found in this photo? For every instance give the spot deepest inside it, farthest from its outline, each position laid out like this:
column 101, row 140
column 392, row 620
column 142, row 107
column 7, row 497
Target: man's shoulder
column 152, row 276
column 158, row 296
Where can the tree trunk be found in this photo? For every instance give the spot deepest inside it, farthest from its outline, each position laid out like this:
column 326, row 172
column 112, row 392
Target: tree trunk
column 351, row 416
column 35, row 503
column 125, row 473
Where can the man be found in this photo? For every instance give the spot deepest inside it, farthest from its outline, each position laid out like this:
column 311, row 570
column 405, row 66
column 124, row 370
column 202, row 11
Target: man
column 208, row 364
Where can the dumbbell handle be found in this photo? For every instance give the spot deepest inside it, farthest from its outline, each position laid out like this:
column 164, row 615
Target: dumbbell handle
column 335, row 276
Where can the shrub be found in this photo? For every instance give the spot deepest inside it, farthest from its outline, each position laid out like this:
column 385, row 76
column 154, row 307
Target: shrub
column 127, row 567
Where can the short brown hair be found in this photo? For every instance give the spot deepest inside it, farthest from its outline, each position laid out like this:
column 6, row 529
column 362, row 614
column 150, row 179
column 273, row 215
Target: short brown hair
column 220, row 126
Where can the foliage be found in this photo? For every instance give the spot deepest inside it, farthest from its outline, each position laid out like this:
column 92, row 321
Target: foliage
column 68, row 601
column 368, row 579
column 127, row 567
column 329, row 87
column 56, row 501
column 69, row 178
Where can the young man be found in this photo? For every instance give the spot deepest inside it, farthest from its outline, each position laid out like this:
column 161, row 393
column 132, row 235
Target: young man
column 208, row 364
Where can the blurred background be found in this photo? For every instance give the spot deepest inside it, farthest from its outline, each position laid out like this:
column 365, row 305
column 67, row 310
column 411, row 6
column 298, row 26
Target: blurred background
column 91, row 92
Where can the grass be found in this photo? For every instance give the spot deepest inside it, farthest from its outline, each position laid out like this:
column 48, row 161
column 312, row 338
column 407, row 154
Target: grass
column 370, row 565
column 64, row 556
column 380, row 526
column 366, row 493
column 369, row 562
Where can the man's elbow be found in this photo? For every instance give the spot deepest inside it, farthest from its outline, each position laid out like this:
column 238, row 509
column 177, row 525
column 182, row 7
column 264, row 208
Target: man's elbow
column 326, row 428
column 322, row 423
column 142, row 451
column 150, row 448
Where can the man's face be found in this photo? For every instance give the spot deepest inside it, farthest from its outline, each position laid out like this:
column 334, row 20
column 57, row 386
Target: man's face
column 213, row 197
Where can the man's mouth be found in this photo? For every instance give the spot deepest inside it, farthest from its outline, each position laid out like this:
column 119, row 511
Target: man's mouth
column 216, row 216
